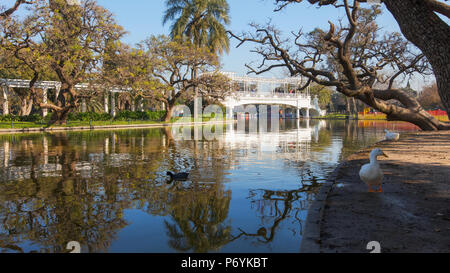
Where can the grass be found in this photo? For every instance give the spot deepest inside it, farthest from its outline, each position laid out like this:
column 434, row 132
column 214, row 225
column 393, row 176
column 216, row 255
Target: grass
column 335, row 116
column 71, row 123
column 21, row 125
column 107, row 123
column 361, row 117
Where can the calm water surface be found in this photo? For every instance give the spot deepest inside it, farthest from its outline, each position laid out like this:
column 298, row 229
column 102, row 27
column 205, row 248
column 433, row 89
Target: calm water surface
column 108, row 190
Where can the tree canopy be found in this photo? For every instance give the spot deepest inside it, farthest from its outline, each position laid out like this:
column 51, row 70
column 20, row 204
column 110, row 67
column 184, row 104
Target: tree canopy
column 68, row 40
column 201, row 21
column 175, row 65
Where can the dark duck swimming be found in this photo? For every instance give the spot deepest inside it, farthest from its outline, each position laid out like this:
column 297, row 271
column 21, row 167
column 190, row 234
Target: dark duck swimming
column 178, row 176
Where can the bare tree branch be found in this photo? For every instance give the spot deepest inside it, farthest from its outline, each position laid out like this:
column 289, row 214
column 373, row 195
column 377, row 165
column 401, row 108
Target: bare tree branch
column 5, row 14
column 348, row 58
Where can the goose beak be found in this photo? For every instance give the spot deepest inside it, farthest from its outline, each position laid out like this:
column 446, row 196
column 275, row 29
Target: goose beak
column 385, row 155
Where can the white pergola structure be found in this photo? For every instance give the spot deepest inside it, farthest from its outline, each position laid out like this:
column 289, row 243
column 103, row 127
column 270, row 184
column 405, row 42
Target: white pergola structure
column 15, row 83
column 6, row 84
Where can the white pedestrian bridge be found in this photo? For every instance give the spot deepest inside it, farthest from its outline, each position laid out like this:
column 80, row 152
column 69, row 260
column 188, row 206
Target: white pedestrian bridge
column 268, row 91
column 304, row 105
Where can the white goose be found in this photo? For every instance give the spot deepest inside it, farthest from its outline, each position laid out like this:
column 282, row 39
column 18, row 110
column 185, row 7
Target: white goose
column 391, row 136
column 371, row 173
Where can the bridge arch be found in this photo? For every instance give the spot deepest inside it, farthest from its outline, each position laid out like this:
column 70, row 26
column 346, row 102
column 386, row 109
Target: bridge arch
column 253, row 109
column 309, row 112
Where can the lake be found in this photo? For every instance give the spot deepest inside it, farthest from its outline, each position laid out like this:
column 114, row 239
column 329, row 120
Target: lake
column 108, row 190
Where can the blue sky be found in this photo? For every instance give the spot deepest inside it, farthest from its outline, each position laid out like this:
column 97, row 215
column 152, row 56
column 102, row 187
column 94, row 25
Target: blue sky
column 142, row 18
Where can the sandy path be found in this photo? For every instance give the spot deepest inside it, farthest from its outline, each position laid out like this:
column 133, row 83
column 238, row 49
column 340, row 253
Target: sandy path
column 412, row 215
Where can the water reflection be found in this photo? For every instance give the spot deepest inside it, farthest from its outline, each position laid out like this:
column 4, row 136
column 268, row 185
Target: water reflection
column 277, row 206
column 247, row 192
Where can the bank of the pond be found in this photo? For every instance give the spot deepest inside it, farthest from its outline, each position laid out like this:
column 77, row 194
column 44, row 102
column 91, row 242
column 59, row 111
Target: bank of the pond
column 412, row 215
column 107, row 127
column 380, row 117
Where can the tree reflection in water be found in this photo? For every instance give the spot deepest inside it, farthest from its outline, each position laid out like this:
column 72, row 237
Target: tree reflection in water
column 277, row 206
column 198, row 215
column 198, row 208
column 49, row 212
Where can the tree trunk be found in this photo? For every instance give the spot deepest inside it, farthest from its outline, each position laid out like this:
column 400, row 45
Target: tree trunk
column 422, row 119
column 60, row 117
column 431, row 34
column 65, row 102
column 196, row 106
column 26, row 107
column 169, row 108
column 30, row 107
column 348, row 112
column 411, row 111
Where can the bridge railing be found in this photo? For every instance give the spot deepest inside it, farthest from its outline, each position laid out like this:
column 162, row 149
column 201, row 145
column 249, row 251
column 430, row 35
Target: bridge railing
column 248, row 94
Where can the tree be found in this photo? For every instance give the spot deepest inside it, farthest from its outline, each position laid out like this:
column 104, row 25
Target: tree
column 350, row 58
column 6, row 13
column 67, row 39
column 174, row 63
column 323, row 94
column 131, row 68
column 429, row 97
column 420, row 24
column 201, row 22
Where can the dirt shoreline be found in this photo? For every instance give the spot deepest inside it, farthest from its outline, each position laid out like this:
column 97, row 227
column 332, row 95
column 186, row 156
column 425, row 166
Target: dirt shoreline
column 411, row 216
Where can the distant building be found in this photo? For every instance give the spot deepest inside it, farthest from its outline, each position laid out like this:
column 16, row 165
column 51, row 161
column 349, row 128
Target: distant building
column 410, row 91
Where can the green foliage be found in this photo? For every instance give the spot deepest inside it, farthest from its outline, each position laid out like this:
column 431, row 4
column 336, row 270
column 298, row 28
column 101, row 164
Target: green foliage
column 201, row 21
column 8, row 118
column 121, row 116
column 56, row 40
column 30, row 118
column 148, row 115
column 89, row 116
column 323, row 93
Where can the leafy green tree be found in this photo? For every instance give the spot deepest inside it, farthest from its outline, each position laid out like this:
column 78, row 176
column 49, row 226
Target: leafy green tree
column 174, row 63
column 67, row 39
column 131, row 68
column 323, row 93
column 201, row 21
